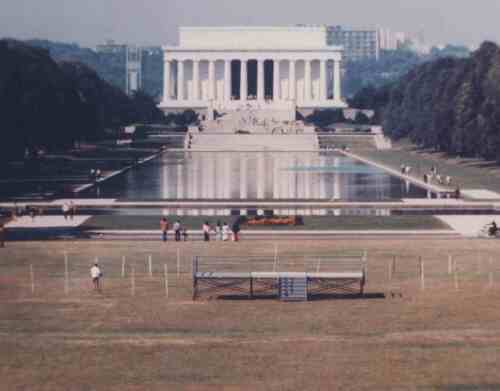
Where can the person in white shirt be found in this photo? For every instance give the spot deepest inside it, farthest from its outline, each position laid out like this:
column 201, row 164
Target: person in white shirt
column 206, row 231
column 65, row 210
column 177, row 231
column 96, row 274
column 225, row 232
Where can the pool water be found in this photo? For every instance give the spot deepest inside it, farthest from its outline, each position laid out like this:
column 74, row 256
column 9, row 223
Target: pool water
column 255, row 176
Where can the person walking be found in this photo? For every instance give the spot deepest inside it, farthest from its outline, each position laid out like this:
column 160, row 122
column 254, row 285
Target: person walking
column 236, row 230
column 72, row 210
column 206, row 232
column 31, row 212
column 218, row 230
column 225, row 232
column 493, row 229
column 2, row 236
column 164, row 228
column 65, row 210
column 96, row 274
column 177, row 231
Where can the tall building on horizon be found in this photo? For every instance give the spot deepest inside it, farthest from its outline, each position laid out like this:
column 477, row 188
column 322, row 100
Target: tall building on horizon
column 357, row 44
column 390, row 40
column 133, row 69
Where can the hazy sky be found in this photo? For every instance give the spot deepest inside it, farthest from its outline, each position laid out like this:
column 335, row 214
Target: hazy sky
column 156, row 21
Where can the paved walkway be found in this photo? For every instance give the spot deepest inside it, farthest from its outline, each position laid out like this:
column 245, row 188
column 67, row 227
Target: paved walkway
column 113, row 174
column 481, row 194
column 262, row 204
column 41, row 222
column 469, row 226
column 276, row 234
column 428, row 186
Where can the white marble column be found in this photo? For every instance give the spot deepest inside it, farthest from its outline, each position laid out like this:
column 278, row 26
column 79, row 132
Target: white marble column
column 227, row 80
column 336, row 179
column 276, row 80
column 227, row 180
column 205, row 183
column 260, row 80
column 292, row 82
column 243, row 177
column 322, row 80
column 243, row 81
column 261, row 175
column 180, row 183
column 336, row 81
column 180, row 80
column 196, row 80
column 211, row 80
column 308, row 178
column 167, row 78
column 322, row 185
column 307, row 80
column 276, row 177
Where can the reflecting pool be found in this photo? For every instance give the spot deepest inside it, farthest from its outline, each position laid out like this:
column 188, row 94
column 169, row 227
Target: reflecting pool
column 255, row 176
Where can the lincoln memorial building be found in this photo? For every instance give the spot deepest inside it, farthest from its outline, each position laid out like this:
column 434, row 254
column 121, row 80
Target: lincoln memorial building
column 224, row 68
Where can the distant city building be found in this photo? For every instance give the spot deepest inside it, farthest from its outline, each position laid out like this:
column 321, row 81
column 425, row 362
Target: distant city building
column 357, row 44
column 390, row 40
column 133, row 69
column 111, row 47
column 142, row 66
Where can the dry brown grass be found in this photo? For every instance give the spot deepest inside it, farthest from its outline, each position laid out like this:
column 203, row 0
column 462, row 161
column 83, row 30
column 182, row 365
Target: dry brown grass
column 439, row 338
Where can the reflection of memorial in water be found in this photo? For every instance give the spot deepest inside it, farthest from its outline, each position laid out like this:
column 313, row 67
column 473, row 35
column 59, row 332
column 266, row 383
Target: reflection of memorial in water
column 270, row 176
column 256, row 177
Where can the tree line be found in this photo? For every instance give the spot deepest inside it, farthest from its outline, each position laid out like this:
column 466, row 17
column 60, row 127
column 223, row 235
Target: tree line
column 450, row 104
column 53, row 104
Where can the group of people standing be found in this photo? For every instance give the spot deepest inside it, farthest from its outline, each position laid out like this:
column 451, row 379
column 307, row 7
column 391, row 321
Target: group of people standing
column 179, row 230
column 222, row 231
column 434, row 175
column 440, row 179
column 68, row 210
column 95, row 174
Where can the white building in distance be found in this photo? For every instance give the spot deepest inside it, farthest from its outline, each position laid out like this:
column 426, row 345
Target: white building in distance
column 357, row 44
column 225, row 67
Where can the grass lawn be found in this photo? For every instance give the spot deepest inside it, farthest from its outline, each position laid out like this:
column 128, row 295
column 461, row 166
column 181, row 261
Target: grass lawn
column 468, row 173
column 440, row 338
column 355, row 223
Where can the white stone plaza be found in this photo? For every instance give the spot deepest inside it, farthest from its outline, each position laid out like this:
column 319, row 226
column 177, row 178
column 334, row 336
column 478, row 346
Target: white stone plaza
column 277, row 68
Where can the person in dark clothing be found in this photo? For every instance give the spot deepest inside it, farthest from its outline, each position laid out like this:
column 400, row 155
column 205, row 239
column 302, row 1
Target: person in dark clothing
column 206, row 231
column 177, row 230
column 2, row 235
column 236, row 230
column 493, row 229
column 164, row 228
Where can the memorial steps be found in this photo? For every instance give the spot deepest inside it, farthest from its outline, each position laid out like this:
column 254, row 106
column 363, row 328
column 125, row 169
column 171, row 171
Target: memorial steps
column 251, row 130
column 254, row 142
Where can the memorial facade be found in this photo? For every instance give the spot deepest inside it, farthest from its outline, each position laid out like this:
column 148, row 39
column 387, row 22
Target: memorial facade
column 226, row 67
